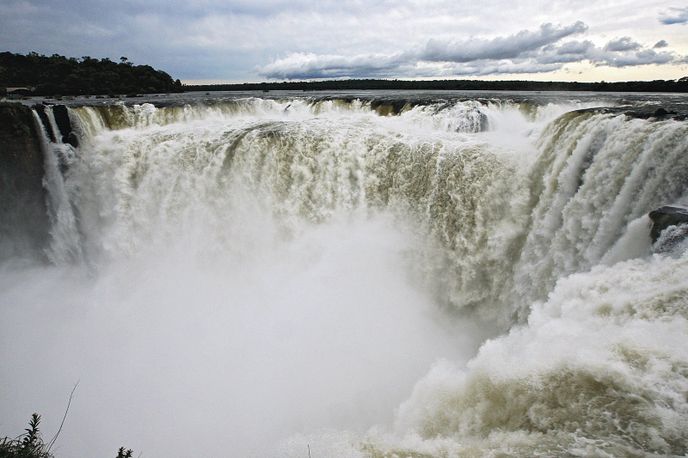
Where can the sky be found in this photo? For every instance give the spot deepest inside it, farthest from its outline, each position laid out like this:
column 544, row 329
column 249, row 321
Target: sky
column 246, row 41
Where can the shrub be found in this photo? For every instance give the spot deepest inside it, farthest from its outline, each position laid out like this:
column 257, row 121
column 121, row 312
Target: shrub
column 27, row 445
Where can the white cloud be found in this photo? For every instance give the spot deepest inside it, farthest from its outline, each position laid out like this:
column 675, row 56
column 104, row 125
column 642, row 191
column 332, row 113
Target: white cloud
column 661, row 44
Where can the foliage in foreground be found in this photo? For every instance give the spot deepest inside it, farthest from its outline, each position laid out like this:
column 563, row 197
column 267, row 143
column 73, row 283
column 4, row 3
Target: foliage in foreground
column 30, row 444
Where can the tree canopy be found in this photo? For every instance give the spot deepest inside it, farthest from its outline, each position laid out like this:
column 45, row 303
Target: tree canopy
column 59, row 75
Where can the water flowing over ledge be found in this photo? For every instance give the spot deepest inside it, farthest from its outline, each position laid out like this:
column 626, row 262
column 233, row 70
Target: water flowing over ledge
column 526, row 222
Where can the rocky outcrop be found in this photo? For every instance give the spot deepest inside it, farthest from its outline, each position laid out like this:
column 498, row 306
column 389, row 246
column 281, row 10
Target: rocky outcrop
column 65, row 125
column 388, row 107
column 24, row 221
column 665, row 217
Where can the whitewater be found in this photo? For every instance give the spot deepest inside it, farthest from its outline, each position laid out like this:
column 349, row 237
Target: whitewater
column 366, row 275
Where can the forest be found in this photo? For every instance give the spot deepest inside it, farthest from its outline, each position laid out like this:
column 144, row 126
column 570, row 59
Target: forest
column 60, row 75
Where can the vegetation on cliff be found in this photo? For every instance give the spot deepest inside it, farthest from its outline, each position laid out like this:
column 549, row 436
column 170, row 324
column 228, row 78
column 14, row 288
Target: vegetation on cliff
column 59, row 75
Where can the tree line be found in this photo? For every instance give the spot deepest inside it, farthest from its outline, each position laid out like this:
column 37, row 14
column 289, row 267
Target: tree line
column 60, row 75
column 680, row 85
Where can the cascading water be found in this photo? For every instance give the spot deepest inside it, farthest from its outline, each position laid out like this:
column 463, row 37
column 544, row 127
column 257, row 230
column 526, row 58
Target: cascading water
column 254, row 277
column 65, row 244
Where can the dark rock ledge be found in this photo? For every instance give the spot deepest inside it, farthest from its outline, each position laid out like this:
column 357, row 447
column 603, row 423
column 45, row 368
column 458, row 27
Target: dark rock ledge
column 665, row 217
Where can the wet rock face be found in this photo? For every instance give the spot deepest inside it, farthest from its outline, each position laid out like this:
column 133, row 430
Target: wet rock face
column 667, row 216
column 24, row 221
column 63, row 123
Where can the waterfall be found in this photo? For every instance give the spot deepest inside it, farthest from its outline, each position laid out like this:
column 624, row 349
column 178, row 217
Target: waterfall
column 65, row 245
column 596, row 174
column 315, row 256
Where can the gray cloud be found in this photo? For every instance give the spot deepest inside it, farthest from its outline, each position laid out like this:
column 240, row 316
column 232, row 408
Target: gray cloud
column 642, row 57
column 674, row 16
column 537, row 51
column 661, row 44
column 484, row 68
column 497, row 48
column 309, row 65
column 574, row 48
column 571, row 51
column 617, row 53
column 481, row 56
column 622, row 44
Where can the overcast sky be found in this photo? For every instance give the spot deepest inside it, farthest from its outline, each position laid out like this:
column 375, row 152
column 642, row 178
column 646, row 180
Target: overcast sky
column 244, row 40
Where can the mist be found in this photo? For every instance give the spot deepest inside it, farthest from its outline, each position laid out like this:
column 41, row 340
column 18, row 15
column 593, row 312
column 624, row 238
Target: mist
column 179, row 355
